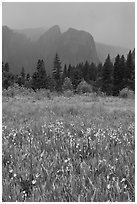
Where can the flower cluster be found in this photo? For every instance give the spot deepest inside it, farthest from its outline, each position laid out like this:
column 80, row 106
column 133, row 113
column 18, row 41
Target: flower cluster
column 60, row 162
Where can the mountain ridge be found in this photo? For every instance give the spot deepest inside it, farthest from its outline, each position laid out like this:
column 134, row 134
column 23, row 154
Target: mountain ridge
column 39, row 30
column 73, row 46
column 103, row 50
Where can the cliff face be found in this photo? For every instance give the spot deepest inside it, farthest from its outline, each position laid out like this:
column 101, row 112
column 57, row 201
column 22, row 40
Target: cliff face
column 77, row 46
column 17, row 50
column 73, row 47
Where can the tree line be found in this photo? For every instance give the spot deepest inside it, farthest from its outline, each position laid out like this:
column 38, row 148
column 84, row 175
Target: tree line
column 109, row 77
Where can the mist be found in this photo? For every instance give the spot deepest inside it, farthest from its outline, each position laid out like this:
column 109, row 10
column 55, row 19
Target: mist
column 109, row 23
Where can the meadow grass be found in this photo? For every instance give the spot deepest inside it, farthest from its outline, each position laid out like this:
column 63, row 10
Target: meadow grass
column 77, row 148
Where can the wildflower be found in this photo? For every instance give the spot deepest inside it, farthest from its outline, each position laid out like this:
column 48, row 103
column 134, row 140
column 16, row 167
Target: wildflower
column 33, row 182
column 37, row 175
column 108, row 186
column 123, row 180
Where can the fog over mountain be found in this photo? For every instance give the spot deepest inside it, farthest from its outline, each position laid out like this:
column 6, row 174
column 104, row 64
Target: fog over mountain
column 32, row 33
column 87, row 31
column 22, row 48
column 111, row 23
column 101, row 48
column 73, row 47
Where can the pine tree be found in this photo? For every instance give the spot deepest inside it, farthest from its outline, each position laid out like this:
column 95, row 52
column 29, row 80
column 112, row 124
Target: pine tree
column 117, row 76
column 39, row 78
column 99, row 70
column 92, row 72
column 98, row 82
column 107, row 76
column 85, row 71
column 22, row 74
column 76, row 76
column 6, row 67
column 51, row 84
column 64, row 75
column 7, row 76
column 122, row 68
column 35, row 81
column 133, row 72
column 130, row 70
column 28, row 77
column 27, row 83
column 70, row 71
column 3, row 67
column 41, row 67
column 57, row 72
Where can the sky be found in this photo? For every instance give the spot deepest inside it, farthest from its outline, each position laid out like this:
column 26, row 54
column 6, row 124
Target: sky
column 108, row 23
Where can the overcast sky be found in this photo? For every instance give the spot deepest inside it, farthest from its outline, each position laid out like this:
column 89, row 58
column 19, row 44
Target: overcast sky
column 109, row 23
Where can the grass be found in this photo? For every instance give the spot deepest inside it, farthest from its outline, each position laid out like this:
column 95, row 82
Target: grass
column 78, row 148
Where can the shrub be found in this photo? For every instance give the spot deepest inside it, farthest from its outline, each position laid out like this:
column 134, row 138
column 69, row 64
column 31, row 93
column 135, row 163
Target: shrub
column 67, row 85
column 49, row 94
column 126, row 93
column 84, row 87
column 40, row 94
column 16, row 90
column 95, row 97
column 68, row 93
column 11, row 91
column 100, row 93
column 8, row 92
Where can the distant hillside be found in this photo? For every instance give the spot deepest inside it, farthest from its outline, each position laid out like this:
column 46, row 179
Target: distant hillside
column 23, row 48
column 73, row 46
column 31, row 33
column 103, row 50
column 77, row 46
column 17, row 50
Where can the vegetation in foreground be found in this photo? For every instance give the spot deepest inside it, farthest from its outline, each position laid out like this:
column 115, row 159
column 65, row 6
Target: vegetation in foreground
column 73, row 148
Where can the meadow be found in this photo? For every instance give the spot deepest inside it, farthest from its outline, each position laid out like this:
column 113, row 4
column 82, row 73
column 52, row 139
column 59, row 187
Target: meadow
column 70, row 149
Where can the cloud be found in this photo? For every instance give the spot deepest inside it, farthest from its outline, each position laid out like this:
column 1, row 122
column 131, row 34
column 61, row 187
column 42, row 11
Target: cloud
column 112, row 23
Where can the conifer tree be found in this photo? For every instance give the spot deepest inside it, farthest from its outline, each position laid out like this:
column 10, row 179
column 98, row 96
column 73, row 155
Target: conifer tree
column 99, row 70
column 117, row 76
column 107, row 76
column 70, row 71
column 28, row 77
column 57, row 72
column 132, row 86
column 98, row 82
column 76, row 75
column 6, row 67
column 39, row 78
column 122, row 68
column 3, row 67
column 27, row 83
column 22, row 77
column 7, row 76
column 130, row 70
column 64, row 75
column 92, row 72
column 85, row 71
